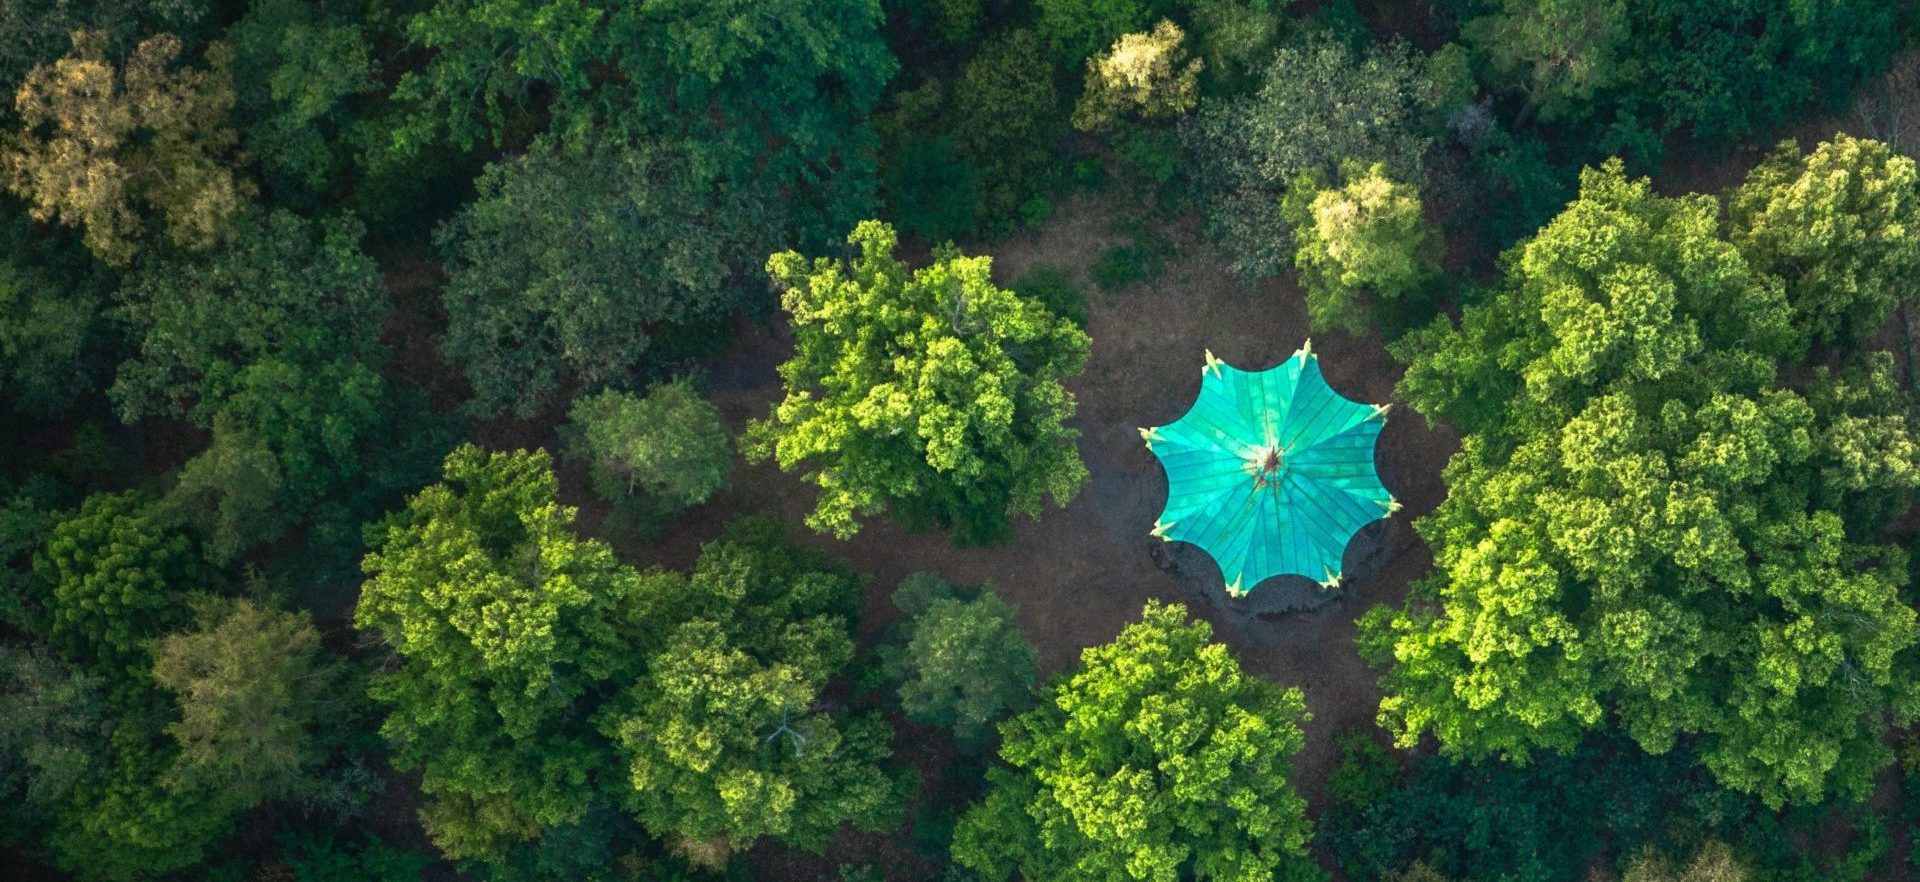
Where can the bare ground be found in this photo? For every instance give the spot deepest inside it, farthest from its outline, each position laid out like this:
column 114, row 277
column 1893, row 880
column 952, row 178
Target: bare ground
column 1079, row 574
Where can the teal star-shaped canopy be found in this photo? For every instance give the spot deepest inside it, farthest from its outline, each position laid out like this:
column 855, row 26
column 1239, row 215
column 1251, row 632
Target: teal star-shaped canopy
column 1271, row 472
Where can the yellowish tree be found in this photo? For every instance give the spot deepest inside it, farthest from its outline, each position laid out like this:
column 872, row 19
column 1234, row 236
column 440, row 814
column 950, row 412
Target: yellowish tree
column 1146, row 75
column 97, row 146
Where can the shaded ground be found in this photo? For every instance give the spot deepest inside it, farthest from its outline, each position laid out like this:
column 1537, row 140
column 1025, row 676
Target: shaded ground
column 1079, row 574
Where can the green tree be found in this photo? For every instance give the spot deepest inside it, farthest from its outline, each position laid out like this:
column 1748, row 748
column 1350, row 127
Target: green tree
column 1557, row 52
column 658, row 453
column 1076, row 29
column 506, row 628
column 930, row 390
column 53, row 731
column 253, row 685
column 1008, row 119
column 273, row 343
column 116, row 579
column 297, row 71
column 46, row 326
column 1366, row 235
column 963, row 664
column 1155, row 759
column 1631, row 530
column 728, row 737
column 581, row 264
column 1841, row 225
column 1319, row 104
column 98, row 145
column 772, row 97
column 1144, row 75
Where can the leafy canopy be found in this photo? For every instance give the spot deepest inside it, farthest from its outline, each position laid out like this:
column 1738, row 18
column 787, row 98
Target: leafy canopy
column 1841, row 225
column 1366, row 235
column 506, row 627
column 661, row 452
column 1155, row 759
column 729, row 737
column 963, row 664
column 1319, row 103
column 1631, row 527
column 580, row 264
column 931, row 390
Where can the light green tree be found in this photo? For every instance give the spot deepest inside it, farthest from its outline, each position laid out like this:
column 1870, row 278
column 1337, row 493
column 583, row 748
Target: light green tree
column 728, row 737
column 1145, row 76
column 254, row 689
column 1630, row 533
column 506, row 628
column 1319, row 103
column 1155, row 759
column 932, row 391
column 1366, row 235
column 1841, row 225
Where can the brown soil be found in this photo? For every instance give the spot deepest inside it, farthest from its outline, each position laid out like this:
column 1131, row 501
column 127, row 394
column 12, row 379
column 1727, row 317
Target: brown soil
column 1079, row 574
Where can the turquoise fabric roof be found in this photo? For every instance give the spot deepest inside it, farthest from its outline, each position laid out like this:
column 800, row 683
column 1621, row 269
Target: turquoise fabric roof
column 1271, row 472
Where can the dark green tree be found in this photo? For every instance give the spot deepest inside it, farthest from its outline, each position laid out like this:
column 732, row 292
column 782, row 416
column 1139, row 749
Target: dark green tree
column 581, row 264
column 273, row 343
column 962, row 663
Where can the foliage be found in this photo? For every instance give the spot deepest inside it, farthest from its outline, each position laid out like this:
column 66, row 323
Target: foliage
column 46, row 327
column 1050, row 287
column 932, row 390
column 1008, row 121
column 1145, row 76
column 1717, row 69
column 1137, row 261
column 38, row 31
column 728, row 738
column 53, row 730
column 1235, row 37
column 1841, row 225
column 1630, row 528
column 1319, row 104
column 963, row 664
column 252, row 686
column 1559, row 53
column 1155, row 759
column 115, row 579
column 505, row 627
column 297, row 71
column 559, row 269
column 316, row 858
column 98, row 144
column 1076, row 29
column 772, row 96
column 659, row 453
column 1367, row 234
column 272, row 342
column 1562, row 817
